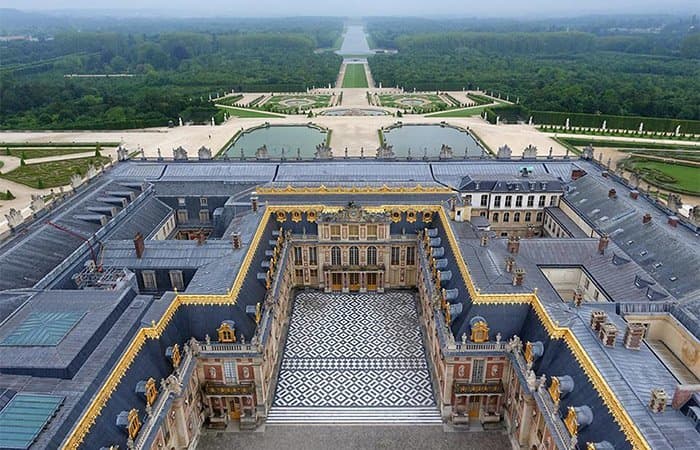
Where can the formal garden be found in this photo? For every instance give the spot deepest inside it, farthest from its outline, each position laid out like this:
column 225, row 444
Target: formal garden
column 417, row 103
column 674, row 176
column 295, row 103
column 54, row 173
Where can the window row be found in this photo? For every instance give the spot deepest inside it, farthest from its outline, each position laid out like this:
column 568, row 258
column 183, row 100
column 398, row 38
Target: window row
column 516, row 217
column 530, row 201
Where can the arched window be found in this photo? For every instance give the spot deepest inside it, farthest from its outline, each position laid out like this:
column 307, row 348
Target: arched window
column 372, row 256
column 335, row 256
column 516, row 217
column 354, row 256
column 495, row 217
column 506, row 217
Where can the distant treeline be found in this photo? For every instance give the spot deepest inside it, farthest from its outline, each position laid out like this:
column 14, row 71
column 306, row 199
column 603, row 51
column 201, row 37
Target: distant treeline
column 177, row 72
column 572, row 71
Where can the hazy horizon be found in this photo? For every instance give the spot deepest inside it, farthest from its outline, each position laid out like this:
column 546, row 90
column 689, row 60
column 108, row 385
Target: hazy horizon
column 359, row 8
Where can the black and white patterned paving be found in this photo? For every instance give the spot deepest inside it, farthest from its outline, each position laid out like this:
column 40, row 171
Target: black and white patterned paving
column 354, row 351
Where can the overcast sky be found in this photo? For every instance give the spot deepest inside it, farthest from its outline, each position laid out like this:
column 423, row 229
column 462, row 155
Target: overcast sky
column 492, row 8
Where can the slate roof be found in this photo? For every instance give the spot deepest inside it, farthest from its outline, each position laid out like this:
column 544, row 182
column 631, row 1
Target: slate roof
column 670, row 255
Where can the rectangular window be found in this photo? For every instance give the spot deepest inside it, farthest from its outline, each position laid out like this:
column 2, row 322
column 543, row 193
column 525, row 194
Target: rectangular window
column 539, row 217
column 372, row 232
column 519, row 201
column 335, row 232
column 586, row 283
column 204, row 215
column 203, row 201
column 497, row 201
column 528, row 216
column 299, row 273
column 176, row 280
column 230, row 372
column 313, row 273
column 354, row 232
column 553, row 201
column 478, row 371
column 312, row 256
column 484, row 200
column 410, row 256
column 530, row 201
column 149, row 280
column 182, row 216
column 298, row 260
column 395, row 256
column 596, row 295
column 508, row 201
column 543, row 198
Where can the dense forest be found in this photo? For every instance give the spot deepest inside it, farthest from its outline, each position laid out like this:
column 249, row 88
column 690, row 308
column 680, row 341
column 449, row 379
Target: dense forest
column 165, row 75
column 638, row 67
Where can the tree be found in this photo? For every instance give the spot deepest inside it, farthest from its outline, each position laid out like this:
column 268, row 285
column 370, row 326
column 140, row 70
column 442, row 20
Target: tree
column 97, row 150
column 22, row 161
column 9, row 196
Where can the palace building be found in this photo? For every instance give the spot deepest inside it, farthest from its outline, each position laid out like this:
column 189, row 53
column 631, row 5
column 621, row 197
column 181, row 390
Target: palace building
column 544, row 298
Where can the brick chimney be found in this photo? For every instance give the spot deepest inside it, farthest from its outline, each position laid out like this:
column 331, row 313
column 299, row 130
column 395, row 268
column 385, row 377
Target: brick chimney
column 254, row 201
column 530, row 232
column 607, row 334
column 658, row 400
column 509, row 264
column 633, row 336
column 139, row 245
column 513, row 245
column 518, row 277
column 236, row 239
column 578, row 297
column 484, row 240
column 646, row 218
column 634, row 194
column 201, row 237
column 673, row 221
column 603, row 244
column 612, row 193
column 598, row 318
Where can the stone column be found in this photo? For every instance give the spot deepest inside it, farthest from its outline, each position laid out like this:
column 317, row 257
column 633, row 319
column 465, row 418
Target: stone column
column 526, row 420
column 446, row 394
column 182, row 433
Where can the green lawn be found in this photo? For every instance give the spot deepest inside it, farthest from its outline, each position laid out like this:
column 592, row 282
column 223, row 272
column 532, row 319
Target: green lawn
column 355, row 76
column 465, row 112
column 674, row 177
column 248, row 113
column 31, row 152
column 51, row 174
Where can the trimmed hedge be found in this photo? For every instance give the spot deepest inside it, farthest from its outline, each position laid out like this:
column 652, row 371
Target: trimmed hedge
column 615, row 122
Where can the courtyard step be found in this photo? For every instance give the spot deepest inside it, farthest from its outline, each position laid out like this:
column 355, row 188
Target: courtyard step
column 353, row 416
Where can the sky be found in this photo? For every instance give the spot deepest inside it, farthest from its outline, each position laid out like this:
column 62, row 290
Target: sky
column 463, row 8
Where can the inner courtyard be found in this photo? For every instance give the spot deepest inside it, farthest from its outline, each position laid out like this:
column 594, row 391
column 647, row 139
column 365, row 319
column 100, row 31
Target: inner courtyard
column 354, row 358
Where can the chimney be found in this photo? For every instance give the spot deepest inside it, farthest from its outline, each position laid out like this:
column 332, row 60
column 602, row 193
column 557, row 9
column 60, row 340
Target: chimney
column 634, row 194
column 633, row 336
column 484, row 240
column 518, row 277
column 607, row 334
column 201, row 237
column 658, row 400
column 236, row 238
column 139, row 245
column 646, row 218
column 578, row 297
column 673, row 221
column 530, row 233
column 254, row 201
column 598, row 318
column 612, row 193
column 509, row 264
column 603, row 244
column 513, row 245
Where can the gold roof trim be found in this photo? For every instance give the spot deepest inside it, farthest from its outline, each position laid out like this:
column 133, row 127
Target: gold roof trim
column 632, row 433
column 323, row 189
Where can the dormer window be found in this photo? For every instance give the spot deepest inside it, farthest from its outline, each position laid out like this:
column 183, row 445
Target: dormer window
column 134, row 424
column 151, row 391
column 227, row 331
column 480, row 329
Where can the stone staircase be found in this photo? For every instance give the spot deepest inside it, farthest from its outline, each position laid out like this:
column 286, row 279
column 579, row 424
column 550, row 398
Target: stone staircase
column 354, row 416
